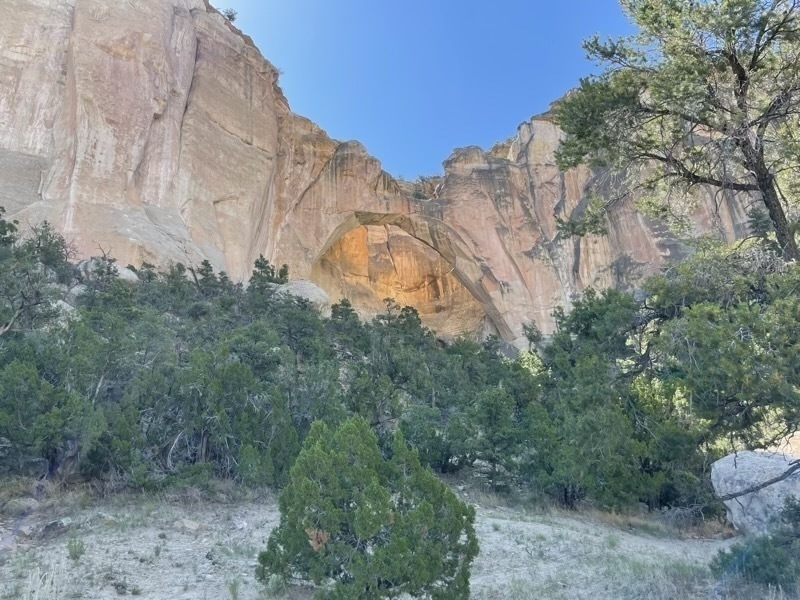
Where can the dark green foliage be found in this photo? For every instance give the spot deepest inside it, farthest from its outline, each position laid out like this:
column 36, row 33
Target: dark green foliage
column 790, row 515
column 588, row 443
column 8, row 230
column 728, row 333
column 590, row 220
column 27, row 269
column 144, row 382
column 44, row 419
column 758, row 222
column 348, row 328
column 376, row 527
column 187, row 372
column 766, row 560
column 51, row 250
column 636, row 397
column 497, row 437
column 264, row 272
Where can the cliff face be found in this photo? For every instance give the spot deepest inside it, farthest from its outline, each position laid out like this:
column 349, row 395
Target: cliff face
column 155, row 131
column 145, row 127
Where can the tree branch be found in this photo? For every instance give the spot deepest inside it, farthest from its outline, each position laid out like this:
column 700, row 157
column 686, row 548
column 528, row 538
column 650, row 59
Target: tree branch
column 793, row 468
column 696, row 120
column 7, row 326
column 683, row 171
column 766, row 36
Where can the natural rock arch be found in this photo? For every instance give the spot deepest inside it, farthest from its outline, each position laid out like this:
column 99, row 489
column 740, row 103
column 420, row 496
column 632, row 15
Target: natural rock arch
column 436, row 235
column 350, row 191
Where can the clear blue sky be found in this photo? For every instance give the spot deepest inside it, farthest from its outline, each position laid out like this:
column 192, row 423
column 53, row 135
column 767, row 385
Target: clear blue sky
column 414, row 79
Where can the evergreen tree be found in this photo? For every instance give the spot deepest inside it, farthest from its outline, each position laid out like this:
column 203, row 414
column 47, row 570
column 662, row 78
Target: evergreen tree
column 707, row 92
column 497, row 438
column 374, row 527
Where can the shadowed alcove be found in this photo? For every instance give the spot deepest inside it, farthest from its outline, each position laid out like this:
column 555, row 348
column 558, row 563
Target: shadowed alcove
column 376, row 256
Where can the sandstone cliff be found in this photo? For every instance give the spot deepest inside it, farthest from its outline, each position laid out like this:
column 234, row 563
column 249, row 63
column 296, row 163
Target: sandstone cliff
column 156, row 131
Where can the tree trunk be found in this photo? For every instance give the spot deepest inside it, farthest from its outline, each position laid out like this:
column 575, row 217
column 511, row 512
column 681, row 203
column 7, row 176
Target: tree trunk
column 777, row 215
column 765, row 181
column 203, row 451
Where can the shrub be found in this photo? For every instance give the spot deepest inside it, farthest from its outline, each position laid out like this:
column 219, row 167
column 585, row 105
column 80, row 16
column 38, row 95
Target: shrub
column 255, row 468
column 771, row 559
column 369, row 527
column 762, row 560
column 75, row 549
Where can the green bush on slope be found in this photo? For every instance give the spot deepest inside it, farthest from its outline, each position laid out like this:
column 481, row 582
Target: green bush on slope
column 363, row 526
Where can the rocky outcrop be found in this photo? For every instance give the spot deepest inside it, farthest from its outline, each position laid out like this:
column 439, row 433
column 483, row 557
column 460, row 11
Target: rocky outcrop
column 155, row 131
column 757, row 512
column 312, row 293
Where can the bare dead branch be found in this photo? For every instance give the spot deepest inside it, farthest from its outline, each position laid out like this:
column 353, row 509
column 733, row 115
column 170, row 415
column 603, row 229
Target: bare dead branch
column 793, row 468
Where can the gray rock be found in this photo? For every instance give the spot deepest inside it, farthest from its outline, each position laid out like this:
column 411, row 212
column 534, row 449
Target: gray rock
column 56, row 528
column 302, row 288
column 74, row 293
column 17, row 507
column 63, row 307
column 187, row 524
column 754, row 513
column 125, row 274
column 26, row 532
column 88, row 267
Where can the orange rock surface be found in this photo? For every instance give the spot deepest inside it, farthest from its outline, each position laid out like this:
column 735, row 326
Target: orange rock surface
column 156, row 131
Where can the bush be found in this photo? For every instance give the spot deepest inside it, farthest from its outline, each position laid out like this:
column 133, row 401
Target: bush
column 367, row 527
column 75, row 549
column 763, row 560
column 770, row 559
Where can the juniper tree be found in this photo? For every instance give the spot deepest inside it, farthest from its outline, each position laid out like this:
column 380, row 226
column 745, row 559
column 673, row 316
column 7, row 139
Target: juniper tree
column 707, row 92
column 366, row 526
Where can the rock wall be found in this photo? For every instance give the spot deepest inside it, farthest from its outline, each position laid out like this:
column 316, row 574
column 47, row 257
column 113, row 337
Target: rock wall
column 155, row 131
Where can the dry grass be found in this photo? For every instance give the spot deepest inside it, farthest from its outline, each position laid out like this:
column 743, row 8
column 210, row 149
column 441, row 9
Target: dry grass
column 665, row 524
column 736, row 589
column 676, row 523
column 207, row 549
column 14, row 487
column 636, row 580
column 645, row 524
column 56, row 499
column 45, row 585
column 618, row 580
column 605, row 556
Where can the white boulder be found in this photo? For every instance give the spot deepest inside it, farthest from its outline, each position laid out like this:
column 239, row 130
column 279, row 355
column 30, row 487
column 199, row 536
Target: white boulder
column 756, row 512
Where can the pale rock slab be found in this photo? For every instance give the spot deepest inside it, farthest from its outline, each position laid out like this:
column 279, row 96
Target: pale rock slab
column 754, row 513
column 302, row 288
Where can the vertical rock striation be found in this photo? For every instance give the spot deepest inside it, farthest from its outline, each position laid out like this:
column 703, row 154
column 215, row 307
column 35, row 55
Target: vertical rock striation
column 155, row 131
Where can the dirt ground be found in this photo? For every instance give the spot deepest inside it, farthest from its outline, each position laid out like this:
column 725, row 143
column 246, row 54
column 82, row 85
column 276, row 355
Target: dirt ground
column 185, row 547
